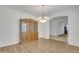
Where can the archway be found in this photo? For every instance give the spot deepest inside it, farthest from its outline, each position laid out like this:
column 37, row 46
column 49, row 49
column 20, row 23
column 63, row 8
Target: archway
column 59, row 28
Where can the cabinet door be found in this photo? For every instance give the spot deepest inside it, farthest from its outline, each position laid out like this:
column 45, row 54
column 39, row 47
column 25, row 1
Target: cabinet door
column 30, row 31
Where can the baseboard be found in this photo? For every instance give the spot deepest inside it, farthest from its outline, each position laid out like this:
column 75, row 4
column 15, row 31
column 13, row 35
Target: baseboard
column 44, row 38
column 76, row 45
column 57, row 35
column 8, row 44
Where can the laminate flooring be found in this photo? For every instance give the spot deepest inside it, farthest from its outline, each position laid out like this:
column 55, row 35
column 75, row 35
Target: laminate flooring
column 40, row 46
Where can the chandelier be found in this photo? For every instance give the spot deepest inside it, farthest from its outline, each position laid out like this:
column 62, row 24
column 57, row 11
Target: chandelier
column 43, row 18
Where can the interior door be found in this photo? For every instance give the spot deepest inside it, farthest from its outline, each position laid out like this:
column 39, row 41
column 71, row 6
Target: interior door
column 29, row 30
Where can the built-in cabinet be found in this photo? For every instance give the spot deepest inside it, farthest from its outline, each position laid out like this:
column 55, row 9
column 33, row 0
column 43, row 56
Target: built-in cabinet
column 28, row 29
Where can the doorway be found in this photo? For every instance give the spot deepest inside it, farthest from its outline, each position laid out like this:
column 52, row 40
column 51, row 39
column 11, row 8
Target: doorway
column 59, row 28
column 28, row 30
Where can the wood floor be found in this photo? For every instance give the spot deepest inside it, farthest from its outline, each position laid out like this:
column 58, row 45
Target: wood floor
column 40, row 46
column 63, row 37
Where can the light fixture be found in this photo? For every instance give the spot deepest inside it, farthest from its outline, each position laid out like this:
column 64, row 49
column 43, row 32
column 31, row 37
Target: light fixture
column 43, row 18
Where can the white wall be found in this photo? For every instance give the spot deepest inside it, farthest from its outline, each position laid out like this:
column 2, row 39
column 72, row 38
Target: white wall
column 74, row 27
column 40, row 30
column 43, row 30
column 57, row 25
column 53, row 28
column 9, row 25
column 73, row 22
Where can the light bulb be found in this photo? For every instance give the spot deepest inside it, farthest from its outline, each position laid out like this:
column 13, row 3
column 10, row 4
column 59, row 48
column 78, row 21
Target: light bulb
column 42, row 21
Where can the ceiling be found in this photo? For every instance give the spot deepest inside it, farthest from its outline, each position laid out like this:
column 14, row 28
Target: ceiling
column 36, row 10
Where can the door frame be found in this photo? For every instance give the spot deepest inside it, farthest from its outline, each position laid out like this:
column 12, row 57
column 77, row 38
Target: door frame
column 20, row 33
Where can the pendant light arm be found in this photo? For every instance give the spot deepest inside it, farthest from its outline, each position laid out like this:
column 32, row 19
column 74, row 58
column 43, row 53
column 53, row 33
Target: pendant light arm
column 43, row 18
column 43, row 11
